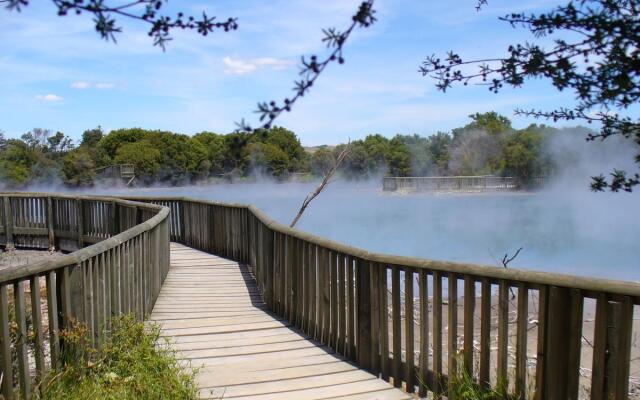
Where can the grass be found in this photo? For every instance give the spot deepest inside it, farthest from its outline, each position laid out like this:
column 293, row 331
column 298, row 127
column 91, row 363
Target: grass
column 462, row 386
column 132, row 363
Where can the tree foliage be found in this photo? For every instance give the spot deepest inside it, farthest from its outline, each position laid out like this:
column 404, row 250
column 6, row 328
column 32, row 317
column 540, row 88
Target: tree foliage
column 597, row 59
column 487, row 145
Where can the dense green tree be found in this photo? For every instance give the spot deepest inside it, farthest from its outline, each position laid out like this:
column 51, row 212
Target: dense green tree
column 522, row 156
column 596, row 58
column 91, row 137
column 288, row 142
column 3, row 141
column 321, row 161
column 145, row 157
column 78, row 168
column 215, row 148
column 267, row 158
column 398, row 158
column 16, row 163
column 490, row 122
column 119, row 137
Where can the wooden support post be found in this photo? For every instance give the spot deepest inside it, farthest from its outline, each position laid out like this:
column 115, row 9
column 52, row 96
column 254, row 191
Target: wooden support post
column 79, row 222
column 364, row 313
column 8, row 223
column 5, row 345
column 562, row 338
column 50, row 226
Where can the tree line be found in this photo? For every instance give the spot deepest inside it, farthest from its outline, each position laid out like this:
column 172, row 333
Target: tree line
column 487, row 145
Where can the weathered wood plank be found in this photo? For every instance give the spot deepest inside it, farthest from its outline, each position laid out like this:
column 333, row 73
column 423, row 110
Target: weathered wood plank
column 257, row 354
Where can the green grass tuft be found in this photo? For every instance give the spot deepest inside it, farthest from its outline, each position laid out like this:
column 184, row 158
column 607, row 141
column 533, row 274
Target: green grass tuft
column 132, row 363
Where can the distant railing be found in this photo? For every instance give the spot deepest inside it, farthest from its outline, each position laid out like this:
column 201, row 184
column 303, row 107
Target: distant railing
column 449, row 183
column 511, row 329
column 120, row 271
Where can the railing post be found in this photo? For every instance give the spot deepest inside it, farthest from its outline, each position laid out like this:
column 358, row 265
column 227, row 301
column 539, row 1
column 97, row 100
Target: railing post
column 561, row 348
column 8, row 223
column 50, row 227
column 115, row 216
column 79, row 223
column 363, row 271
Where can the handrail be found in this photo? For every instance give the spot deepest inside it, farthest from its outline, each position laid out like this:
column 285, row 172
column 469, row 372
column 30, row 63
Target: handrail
column 12, row 273
column 623, row 288
column 449, row 183
column 361, row 304
column 119, row 259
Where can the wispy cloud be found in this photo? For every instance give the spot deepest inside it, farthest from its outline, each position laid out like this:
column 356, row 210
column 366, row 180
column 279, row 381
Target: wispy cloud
column 237, row 66
column 103, row 86
column 86, row 85
column 80, row 85
column 48, row 97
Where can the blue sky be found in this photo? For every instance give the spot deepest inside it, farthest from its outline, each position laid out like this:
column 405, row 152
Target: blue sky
column 56, row 72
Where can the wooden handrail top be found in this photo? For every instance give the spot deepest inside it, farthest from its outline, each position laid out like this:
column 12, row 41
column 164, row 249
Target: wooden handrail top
column 478, row 271
column 14, row 273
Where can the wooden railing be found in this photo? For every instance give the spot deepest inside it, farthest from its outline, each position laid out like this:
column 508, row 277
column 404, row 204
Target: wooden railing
column 417, row 323
column 405, row 320
column 449, row 183
column 120, row 271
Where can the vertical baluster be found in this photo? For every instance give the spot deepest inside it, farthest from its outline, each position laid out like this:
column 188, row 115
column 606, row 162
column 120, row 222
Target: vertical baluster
column 423, row 298
column 21, row 342
column 374, row 309
column 452, row 341
column 325, row 295
column 384, row 322
column 396, row 326
column 52, row 308
column 521, row 341
column 437, row 333
column 625, row 331
column 351, row 306
column 485, row 335
column 503, row 321
column 469, row 314
column 342, row 306
column 333, row 280
column 5, row 344
column 36, row 316
column 409, row 371
column 599, row 349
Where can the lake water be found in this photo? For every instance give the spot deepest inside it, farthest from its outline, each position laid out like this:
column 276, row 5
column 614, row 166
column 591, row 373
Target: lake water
column 575, row 232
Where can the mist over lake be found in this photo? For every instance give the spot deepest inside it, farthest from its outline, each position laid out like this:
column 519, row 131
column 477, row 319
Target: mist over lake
column 568, row 231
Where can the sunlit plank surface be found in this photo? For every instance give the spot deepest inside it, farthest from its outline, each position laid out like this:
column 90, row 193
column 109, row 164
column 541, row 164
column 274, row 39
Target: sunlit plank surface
column 211, row 311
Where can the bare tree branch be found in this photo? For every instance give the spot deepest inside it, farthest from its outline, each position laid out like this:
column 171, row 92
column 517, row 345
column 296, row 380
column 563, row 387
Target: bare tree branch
column 505, row 263
column 325, row 181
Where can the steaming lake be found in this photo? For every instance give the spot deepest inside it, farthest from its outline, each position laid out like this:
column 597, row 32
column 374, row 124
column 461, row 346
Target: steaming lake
column 574, row 232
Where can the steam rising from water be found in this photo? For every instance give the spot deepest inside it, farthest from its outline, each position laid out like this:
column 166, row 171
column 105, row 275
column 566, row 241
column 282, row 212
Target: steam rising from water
column 564, row 229
column 575, row 232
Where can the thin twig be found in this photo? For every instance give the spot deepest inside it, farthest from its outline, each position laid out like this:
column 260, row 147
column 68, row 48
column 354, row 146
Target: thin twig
column 325, row 181
column 505, row 263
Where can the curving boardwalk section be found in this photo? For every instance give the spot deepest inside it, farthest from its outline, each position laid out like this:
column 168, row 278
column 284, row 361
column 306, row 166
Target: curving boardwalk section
column 210, row 309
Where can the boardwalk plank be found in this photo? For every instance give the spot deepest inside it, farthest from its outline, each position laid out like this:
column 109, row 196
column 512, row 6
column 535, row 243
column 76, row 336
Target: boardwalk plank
column 213, row 315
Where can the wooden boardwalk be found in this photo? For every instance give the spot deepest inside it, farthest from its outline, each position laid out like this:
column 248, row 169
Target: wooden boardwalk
column 212, row 312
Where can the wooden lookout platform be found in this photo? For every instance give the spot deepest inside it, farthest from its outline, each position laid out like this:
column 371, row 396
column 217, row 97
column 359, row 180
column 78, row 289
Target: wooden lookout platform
column 210, row 309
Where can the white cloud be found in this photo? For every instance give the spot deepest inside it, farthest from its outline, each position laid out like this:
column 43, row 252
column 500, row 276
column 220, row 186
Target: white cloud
column 86, row 85
column 48, row 97
column 237, row 66
column 104, row 85
column 80, row 85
